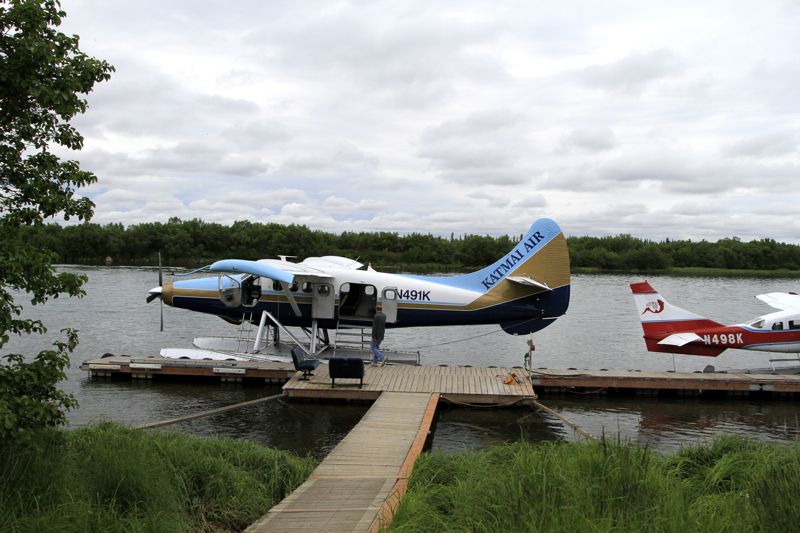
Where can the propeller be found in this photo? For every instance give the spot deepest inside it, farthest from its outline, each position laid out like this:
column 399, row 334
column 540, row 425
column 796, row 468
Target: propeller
column 157, row 292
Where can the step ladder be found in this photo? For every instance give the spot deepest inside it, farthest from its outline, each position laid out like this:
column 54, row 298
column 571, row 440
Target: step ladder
column 244, row 340
column 348, row 336
column 250, row 341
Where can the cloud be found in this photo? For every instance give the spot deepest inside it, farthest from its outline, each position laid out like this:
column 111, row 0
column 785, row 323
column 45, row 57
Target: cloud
column 333, row 204
column 767, row 145
column 633, row 72
column 141, row 99
column 181, row 159
column 589, row 140
column 459, row 116
column 482, row 148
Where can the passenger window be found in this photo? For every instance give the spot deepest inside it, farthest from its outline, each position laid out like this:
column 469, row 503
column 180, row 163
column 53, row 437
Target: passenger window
column 307, row 286
column 777, row 325
column 294, row 286
column 794, row 324
column 276, row 285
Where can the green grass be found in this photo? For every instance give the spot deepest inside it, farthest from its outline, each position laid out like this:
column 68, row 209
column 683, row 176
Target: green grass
column 110, row 478
column 730, row 485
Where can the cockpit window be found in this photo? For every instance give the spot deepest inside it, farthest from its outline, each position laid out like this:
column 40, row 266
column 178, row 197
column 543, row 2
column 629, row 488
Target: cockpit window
column 777, row 326
column 758, row 324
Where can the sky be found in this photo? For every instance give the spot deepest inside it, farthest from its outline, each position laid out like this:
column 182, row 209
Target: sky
column 674, row 119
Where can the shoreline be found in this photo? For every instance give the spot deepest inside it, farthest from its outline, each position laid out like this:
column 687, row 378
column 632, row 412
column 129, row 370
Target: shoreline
column 430, row 269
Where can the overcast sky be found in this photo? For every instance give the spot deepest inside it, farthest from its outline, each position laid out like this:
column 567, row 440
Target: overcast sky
column 676, row 119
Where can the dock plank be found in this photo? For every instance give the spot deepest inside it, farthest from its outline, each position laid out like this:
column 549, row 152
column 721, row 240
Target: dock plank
column 358, row 485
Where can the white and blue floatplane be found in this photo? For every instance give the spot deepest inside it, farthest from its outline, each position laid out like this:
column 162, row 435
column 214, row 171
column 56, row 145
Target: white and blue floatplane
column 523, row 292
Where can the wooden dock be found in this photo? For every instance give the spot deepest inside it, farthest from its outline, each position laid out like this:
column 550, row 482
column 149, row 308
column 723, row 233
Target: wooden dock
column 603, row 381
column 359, row 484
column 457, row 384
column 153, row 367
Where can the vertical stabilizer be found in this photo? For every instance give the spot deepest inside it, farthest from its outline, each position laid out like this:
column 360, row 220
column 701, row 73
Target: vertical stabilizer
column 659, row 317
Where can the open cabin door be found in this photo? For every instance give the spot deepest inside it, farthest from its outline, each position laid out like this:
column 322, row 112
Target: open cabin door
column 389, row 304
column 239, row 291
column 357, row 301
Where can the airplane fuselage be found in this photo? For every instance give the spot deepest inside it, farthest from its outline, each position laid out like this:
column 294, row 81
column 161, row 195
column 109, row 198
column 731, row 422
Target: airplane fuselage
column 408, row 301
column 737, row 336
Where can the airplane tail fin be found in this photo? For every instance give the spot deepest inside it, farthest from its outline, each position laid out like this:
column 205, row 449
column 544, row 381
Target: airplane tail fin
column 667, row 327
column 533, row 279
column 539, row 261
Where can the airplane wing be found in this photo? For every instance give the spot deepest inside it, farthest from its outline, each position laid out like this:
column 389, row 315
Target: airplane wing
column 282, row 271
column 680, row 339
column 785, row 301
column 332, row 261
column 278, row 270
column 242, row 266
column 529, row 282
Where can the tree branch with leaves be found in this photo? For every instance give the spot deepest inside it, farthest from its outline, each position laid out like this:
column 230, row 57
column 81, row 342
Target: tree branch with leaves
column 44, row 78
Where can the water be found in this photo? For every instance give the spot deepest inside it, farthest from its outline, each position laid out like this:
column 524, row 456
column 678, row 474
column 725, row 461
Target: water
column 600, row 330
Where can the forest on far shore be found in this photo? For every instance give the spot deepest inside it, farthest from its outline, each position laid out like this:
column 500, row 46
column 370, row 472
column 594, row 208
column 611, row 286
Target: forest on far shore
column 194, row 242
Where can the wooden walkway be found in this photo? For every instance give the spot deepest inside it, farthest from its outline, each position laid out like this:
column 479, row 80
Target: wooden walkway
column 359, row 484
column 549, row 379
column 457, row 384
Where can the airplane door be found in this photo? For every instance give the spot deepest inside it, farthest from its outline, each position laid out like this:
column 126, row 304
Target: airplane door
column 389, row 304
column 322, row 301
column 230, row 290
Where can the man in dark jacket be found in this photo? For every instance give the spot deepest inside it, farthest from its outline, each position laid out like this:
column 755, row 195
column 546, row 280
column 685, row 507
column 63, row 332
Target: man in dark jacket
column 378, row 329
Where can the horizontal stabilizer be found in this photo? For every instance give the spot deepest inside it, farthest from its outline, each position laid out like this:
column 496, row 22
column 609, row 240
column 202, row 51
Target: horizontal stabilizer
column 529, row 282
column 680, row 339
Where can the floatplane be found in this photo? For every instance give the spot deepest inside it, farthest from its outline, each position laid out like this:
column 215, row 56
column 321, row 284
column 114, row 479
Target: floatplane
column 524, row 291
column 669, row 328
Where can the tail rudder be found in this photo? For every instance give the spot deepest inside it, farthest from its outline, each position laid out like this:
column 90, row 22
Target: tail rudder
column 659, row 318
column 533, row 278
column 539, row 261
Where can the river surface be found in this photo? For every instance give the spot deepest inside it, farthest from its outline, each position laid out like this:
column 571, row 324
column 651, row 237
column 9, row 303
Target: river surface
column 600, row 330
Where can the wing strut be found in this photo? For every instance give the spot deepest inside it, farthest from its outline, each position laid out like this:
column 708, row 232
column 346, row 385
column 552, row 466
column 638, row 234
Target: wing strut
column 289, row 333
column 286, row 288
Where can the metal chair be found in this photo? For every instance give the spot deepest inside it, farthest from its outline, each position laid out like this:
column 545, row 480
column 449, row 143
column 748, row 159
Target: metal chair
column 306, row 366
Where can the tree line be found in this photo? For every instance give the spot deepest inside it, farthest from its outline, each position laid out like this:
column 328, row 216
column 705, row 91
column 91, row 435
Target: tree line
column 195, row 242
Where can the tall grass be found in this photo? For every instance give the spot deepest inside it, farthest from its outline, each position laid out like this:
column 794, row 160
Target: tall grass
column 732, row 484
column 110, row 478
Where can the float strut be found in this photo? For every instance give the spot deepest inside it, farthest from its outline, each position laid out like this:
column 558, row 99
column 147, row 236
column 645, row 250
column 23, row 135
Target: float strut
column 260, row 334
column 314, row 328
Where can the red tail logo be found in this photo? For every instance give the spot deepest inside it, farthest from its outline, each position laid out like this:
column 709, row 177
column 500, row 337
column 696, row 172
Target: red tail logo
column 654, row 307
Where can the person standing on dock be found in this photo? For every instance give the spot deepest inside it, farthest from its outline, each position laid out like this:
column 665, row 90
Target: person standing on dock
column 378, row 329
